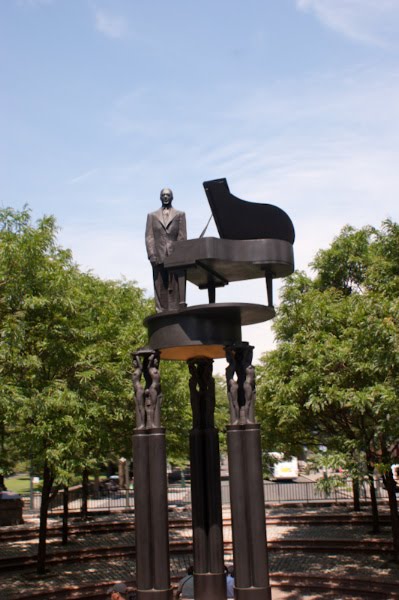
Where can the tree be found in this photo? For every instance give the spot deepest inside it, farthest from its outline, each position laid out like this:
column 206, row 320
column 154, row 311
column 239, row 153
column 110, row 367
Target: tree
column 36, row 312
column 65, row 368
column 333, row 379
column 65, row 355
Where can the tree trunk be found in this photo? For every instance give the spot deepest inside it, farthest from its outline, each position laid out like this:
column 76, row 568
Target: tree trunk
column 65, row 516
column 97, row 484
column 356, row 494
column 2, row 435
column 48, row 480
column 85, row 494
column 390, row 486
column 373, row 497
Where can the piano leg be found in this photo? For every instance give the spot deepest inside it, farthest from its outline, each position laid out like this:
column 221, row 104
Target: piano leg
column 181, row 282
column 269, row 289
column 211, row 293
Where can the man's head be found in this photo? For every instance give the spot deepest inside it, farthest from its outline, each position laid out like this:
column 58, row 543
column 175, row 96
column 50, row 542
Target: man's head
column 166, row 197
column 118, row 591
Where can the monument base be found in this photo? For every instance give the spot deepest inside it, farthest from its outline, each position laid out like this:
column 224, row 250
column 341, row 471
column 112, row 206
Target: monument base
column 203, row 330
column 252, row 593
column 11, row 506
column 155, row 594
column 209, row 586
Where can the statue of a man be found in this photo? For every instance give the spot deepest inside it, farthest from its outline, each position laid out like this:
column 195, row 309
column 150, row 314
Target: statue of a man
column 164, row 227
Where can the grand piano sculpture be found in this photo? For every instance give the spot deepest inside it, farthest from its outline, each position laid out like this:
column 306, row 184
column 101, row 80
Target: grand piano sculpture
column 256, row 241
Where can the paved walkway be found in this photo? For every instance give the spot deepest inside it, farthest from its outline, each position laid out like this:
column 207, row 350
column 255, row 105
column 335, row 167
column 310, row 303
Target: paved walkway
column 372, row 566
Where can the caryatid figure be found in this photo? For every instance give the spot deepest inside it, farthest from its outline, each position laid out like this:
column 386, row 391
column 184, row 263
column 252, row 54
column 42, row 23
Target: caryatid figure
column 138, row 392
column 153, row 394
column 232, row 388
column 247, row 413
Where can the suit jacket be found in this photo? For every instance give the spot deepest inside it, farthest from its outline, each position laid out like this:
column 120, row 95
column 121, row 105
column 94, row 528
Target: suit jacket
column 160, row 236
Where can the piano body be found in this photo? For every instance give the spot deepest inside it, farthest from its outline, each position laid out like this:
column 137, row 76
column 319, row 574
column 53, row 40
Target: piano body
column 256, row 240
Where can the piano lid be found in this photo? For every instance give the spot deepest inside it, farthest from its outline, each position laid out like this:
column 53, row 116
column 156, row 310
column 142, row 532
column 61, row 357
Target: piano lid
column 238, row 219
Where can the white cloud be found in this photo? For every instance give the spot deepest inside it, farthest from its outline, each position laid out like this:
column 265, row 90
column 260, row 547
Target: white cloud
column 34, row 3
column 325, row 149
column 112, row 26
column 368, row 21
column 83, row 176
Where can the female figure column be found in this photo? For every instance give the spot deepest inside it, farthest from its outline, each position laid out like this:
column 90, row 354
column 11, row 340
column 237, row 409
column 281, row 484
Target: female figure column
column 209, row 577
column 251, row 580
column 150, row 483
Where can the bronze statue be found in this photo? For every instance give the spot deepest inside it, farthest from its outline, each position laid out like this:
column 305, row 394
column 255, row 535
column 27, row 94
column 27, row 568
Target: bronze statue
column 153, row 394
column 195, row 398
column 232, row 387
column 164, row 227
column 232, row 394
column 207, row 389
column 241, row 391
column 148, row 397
column 202, row 392
column 248, row 411
column 138, row 392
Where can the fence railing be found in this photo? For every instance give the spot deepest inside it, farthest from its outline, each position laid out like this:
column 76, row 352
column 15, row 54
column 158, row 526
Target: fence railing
column 180, row 495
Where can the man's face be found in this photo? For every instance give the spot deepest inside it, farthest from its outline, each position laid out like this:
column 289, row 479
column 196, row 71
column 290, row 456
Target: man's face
column 117, row 596
column 166, row 197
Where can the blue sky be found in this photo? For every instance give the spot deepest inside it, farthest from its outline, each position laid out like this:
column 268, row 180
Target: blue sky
column 104, row 102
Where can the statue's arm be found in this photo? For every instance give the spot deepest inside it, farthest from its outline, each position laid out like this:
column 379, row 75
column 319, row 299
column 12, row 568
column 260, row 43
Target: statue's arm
column 150, row 240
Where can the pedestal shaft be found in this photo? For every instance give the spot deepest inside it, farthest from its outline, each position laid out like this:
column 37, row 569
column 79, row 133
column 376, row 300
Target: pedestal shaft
column 151, row 515
column 209, row 579
column 248, row 513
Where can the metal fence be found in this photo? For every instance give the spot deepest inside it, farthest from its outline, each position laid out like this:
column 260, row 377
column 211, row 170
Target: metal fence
column 180, row 495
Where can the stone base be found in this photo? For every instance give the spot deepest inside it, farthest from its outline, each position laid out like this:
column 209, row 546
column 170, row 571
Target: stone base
column 11, row 511
column 154, row 594
column 252, row 593
column 209, row 586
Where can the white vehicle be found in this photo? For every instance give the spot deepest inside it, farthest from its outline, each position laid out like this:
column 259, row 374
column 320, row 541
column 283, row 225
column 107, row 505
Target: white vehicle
column 284, row 468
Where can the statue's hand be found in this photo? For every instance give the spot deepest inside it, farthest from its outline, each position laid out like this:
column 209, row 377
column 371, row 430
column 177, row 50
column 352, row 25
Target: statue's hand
column 153, row 260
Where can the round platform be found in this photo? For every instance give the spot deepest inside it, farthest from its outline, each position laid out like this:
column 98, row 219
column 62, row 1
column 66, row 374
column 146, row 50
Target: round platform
column 202, row 330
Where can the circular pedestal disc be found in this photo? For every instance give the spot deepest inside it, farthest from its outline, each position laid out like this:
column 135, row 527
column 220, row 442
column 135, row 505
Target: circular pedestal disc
column 202, row 330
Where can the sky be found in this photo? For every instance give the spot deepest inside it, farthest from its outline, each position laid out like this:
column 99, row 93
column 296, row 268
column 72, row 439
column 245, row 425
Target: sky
column 105, row 102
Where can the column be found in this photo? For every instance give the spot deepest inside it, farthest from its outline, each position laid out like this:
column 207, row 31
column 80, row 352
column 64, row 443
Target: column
column 150, row 482
column 246, row 479
column 209, row 577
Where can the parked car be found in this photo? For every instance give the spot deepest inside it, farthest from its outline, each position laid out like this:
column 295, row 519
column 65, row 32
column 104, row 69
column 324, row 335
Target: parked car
column 177, row 475
column 112, row 483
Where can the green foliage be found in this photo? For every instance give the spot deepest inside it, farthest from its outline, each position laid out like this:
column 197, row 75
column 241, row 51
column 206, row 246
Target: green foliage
column 66, row 396
column 221, row 411
column 330, row 483
column 176, row 411
column 333, row 378
column 67, row 337
column 177, row 415
column 344, row 265
column 19, row 484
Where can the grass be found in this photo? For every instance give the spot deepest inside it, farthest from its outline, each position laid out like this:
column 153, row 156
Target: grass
column 19, row 484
